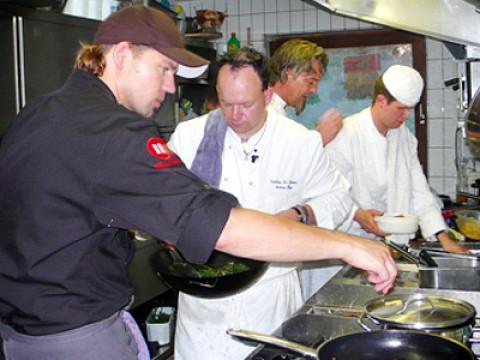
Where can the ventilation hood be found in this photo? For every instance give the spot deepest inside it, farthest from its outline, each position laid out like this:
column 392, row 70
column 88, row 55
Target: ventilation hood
column 456, row 21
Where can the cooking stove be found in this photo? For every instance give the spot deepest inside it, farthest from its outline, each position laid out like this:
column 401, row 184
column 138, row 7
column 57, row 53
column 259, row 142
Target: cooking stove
column 310, row 329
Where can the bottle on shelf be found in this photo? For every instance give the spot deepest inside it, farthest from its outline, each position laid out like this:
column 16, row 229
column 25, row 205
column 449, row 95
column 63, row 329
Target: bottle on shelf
column 233, row 43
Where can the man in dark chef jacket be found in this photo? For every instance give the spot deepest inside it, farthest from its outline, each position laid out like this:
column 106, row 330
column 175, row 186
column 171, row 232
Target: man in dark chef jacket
column 83, row 164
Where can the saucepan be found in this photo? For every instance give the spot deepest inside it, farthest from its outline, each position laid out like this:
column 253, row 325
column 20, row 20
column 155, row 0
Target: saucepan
column 374, row 345
column 220, row 276
column 435, row 314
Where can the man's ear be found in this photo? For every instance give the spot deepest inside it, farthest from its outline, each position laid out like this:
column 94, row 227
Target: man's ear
column 381, row 100
column 268, row 93
column 120, row 53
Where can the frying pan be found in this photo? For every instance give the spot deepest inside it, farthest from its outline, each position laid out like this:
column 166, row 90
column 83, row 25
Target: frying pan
column 374, row 345
column 181, row 275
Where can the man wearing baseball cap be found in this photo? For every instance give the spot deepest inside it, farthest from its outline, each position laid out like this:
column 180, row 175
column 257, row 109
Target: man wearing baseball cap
column 377, row 153
column 83, row 164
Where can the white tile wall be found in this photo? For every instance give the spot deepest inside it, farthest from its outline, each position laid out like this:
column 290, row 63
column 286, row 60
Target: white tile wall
column 266, row 17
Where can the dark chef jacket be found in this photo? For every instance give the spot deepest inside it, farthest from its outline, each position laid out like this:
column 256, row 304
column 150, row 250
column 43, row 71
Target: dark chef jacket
column 76, row 171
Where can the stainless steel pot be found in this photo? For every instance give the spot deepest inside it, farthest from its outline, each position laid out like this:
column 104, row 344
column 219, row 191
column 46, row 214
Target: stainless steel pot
column 441, row 315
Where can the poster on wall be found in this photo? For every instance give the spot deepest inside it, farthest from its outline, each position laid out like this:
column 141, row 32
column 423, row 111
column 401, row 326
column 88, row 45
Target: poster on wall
column 348, row 82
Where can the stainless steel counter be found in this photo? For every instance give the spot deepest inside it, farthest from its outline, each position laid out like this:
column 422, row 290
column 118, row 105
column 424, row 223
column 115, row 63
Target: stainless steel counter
column 318, row 319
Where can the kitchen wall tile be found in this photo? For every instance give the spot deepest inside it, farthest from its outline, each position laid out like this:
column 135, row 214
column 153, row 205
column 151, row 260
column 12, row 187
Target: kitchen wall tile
column 446, row 54
column 232, row 7
column 283, row 22
column 450, row 125
column 220, row 5
column 351, row 24
column 258, row 27
column 245, row 21
column 452, row 103
column 437, row 184
column 297, row 22
column 435, row 130
column 233, row 25
column 323, row 20
column 207, row 4
column 283, row 5
column 307, row 6
column 434, row 49
column 450, row 170
column 435, row 162
column 310, row 20
column 270, row 5
column 259, row 45
column 366, row 25
column 258, row 6
column 245, row 7
column 450, row 187
column 337, row 22
column 435, row 107
column 193, row 6
column 221, row 47
column 434, row 74
column 271, row 23
column 450, row 69
column 296, row 5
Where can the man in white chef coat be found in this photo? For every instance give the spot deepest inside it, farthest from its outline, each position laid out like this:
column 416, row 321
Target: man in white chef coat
column 377, row 153
column 270, row 163
column 295, row 69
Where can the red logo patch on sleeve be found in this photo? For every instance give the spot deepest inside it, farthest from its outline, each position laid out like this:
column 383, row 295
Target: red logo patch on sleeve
column 157, row 147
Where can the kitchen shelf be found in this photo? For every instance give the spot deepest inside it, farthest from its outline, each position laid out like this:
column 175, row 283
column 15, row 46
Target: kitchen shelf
column 205, row 35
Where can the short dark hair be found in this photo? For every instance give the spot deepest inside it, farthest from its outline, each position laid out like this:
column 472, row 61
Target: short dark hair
column 243, row 57
column 295, row 54
column 379, row 88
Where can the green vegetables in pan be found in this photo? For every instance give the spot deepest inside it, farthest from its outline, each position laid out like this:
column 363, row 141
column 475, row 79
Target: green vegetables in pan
column 228, row 268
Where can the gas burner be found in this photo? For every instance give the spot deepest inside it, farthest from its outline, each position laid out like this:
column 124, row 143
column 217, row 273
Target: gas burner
column 268, row 353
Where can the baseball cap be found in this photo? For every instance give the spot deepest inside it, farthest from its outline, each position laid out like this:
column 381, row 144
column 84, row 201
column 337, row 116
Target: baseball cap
column 148, row 26
column 404, row 83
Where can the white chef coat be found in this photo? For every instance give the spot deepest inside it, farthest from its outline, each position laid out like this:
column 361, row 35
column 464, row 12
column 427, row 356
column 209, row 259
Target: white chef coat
column 313, row 275
column 291, row 168
column 385, row 172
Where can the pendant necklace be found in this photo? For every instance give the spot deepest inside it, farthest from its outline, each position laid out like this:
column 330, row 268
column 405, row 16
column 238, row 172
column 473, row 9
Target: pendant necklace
column 254, row 150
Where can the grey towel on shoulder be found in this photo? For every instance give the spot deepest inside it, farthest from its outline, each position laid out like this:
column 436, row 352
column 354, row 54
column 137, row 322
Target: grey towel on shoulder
column 207, row 164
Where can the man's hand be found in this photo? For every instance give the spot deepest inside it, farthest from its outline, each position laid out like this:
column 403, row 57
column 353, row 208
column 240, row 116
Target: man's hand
column 329, row 124
column 374, row 257
column 366, row 219
column 288, row 214
column 451, row 245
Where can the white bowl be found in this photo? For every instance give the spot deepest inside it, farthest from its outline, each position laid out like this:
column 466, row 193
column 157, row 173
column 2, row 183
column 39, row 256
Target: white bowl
column 397, row 223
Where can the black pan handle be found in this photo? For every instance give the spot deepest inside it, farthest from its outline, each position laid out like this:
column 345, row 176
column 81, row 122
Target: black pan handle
column 427, row 258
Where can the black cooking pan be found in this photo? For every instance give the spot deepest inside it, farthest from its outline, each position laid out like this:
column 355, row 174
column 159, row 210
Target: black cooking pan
column 374, row 345
column 186, row 277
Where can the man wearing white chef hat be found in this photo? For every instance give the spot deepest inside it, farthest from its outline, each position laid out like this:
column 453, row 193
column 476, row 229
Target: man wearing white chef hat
column 377, row 153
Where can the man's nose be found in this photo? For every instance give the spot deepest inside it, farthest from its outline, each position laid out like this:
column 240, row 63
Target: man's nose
column 236, row 111
column 169, row 84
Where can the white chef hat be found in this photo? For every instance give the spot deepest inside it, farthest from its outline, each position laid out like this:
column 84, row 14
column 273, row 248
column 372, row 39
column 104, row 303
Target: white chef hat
column 404, row 83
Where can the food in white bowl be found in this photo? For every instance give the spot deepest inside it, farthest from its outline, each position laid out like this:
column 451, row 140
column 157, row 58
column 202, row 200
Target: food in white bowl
column 398, row 223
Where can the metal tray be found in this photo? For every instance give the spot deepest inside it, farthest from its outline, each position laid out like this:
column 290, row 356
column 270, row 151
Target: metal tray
column 451, row 273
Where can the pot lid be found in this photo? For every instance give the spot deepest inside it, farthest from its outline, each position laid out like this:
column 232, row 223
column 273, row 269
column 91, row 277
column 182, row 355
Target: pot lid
column 420, row 311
